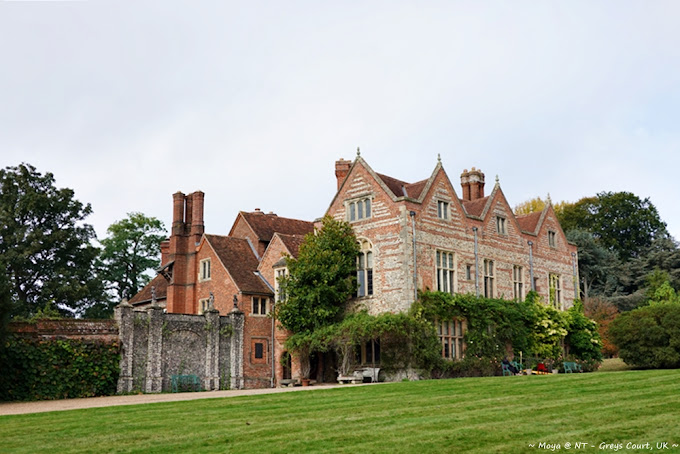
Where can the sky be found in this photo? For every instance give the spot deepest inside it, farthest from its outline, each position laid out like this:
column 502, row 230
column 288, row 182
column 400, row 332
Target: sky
column 128, row 102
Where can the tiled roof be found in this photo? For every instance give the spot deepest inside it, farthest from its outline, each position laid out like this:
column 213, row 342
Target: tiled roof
column 475, row 207
column 266, row 225
column 413, row 190
column 144, row 294
column 292, row 242
column 528, row 222
column 240, row 261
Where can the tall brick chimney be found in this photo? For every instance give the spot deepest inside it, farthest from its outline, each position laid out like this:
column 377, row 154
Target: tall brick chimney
column 341, row 170
column 472, row 183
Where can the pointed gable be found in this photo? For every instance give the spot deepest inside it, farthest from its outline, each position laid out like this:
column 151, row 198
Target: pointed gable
column 238, row 258
column 264, row 226
column 475, row 207
column 529, row 222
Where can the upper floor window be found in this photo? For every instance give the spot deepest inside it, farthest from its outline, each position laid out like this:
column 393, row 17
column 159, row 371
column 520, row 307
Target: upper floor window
column 359, row 209
column 500, row 225
column 204, row 273
column 442, row 209
column 468, row 272
column 260, row 306
column 365, row 270
column 488, row 278
column 445, row 272
column 551, row 238
column 278, row 291
column 555, row 290
column 518, row 282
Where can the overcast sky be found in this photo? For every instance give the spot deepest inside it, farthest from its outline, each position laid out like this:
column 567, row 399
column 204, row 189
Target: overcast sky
column 252, row 102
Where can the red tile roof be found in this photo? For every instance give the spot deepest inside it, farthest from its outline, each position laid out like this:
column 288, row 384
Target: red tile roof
column 292, row 242
column 240, row 261
column 528, row 222
column 144, row 294
column 475, row 207
column 265, row 225
column 413, row 190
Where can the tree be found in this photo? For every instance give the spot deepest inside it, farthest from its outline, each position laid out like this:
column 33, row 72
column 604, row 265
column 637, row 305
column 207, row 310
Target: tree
column 321, row 279
column 46, row 250
column 537, row 204
column 597, row 265
column 621, row 221
column 602, row 312
column 130, row 250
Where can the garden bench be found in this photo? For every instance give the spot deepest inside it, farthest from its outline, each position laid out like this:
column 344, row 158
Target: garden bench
column 371, row 372
column 571, row 367
column 184, row 382
column 506, row 369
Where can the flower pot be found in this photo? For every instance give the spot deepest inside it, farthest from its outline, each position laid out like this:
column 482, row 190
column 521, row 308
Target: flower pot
column 305, row 382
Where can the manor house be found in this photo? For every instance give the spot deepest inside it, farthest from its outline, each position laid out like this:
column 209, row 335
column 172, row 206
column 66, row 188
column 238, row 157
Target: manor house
column 412, row 236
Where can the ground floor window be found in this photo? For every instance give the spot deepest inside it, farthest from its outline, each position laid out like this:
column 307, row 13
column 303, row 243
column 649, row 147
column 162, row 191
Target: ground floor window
column 555, row 290
column 451, row 334
column 368, row 353
column 259, row 351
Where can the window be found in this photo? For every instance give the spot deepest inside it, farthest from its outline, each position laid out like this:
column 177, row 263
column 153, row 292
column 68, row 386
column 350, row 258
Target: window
column 360, row 209
column 204, row 274
column 445, row 272
column 468, row 272
column 442, row 209
column 555, row 290
column 259, row 351
column 368, row 353
column 500, row 225
column 259, row 306
column 203, row 305
column 551, row 238
column 365, row 270
column 280, row 294
column 488, row 278
column 451, row 334
column 518, row 283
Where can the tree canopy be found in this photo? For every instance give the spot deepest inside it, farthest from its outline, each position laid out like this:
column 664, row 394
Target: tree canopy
column 320, row 279
column 46, row 249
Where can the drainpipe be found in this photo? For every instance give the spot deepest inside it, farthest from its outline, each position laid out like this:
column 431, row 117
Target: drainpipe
column 474, row 229
column 531, row 264
column 577, row 290
column 273, row 382
column 415, row 264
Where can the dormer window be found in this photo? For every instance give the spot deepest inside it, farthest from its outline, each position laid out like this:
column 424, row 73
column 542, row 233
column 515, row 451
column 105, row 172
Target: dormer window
column 359, row 209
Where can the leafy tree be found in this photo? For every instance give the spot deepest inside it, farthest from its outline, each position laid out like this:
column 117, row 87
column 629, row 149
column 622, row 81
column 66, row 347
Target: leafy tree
column 321, row 279
column 130, row 251
column 537, row 204
column 583, row 337
column 603, row 312
column 597, row 265
column 621, row 221
column 46, row 250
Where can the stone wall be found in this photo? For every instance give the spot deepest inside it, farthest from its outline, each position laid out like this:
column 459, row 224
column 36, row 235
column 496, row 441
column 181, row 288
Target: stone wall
column 156, row 345
column 85, row 330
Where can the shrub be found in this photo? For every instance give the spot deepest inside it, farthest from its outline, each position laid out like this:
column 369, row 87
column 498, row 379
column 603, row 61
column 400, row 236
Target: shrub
column 649, row 337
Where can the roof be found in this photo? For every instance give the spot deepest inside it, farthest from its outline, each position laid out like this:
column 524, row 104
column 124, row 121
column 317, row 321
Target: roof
column 528, row 222
column 475, row 207
column 144, row 295
column 266, row 225
column 401, row 188
column 240, row 262
column 292, row 243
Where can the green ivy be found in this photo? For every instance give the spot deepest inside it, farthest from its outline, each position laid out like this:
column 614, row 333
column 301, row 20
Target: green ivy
column 57, row 369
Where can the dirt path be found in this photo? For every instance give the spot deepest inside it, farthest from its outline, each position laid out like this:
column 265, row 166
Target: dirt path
column 18, row 408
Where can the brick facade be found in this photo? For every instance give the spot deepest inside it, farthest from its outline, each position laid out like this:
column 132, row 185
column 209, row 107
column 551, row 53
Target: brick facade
column 413, row 236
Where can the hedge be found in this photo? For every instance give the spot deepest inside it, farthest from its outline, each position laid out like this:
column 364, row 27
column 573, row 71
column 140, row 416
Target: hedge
column 57, row 369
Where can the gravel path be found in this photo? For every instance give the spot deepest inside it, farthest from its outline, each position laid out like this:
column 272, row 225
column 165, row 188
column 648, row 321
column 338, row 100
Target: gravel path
column 19, row 408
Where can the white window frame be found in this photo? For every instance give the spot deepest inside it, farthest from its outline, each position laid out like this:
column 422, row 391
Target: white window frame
column 500, row 225
column 445, row 267
column 443, row 209
column 518, row 282
column 365, row 273
column 555, row 290
column 259, row 306
column 278, row 294
column 204, row 270
column 552, row 238
column 359, row 209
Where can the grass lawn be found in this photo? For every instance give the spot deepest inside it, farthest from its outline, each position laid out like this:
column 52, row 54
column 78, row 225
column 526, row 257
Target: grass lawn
column 613, row 365
column 494, row 414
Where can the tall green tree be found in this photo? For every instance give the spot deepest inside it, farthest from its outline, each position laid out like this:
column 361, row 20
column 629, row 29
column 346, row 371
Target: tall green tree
column 320, row 279
column 46, row 249
column 130, row 251
column 597, row 265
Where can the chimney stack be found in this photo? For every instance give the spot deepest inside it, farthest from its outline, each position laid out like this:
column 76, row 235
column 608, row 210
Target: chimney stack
column 341, row 170
column 177, row 213
column 195, row 200
column 472, row 183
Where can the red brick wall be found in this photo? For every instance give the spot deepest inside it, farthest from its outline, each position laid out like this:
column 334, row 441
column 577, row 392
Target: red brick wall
column 87, row 330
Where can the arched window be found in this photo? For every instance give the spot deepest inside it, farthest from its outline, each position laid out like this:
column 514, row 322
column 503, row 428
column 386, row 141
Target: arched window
column 365, row 269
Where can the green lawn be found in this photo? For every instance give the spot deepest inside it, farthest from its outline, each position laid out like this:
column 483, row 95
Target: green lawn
column 495, row 414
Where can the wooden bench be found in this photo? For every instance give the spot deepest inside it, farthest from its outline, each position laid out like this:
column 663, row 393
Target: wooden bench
column 570, row 367
column 184, row 382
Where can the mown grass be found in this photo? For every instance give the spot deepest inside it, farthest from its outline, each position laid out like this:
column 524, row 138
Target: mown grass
column 613, row 365
column 495, row 414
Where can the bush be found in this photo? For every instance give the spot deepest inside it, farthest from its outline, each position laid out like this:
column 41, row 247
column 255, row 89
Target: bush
column 649, row 337
column 57, row 369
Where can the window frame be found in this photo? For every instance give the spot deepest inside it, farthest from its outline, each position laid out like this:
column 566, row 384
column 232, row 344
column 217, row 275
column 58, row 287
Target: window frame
column 359, row 209
column 452, row 338
column 501, row 225
column 445, row 274
column 518, row 282
column 489, row 278
column 264, row 342
column 365, row 261
column 443, row 210
column 555, row 290
column 552, row 238
column 256, row 307
column 205, row 270
column 203, row 305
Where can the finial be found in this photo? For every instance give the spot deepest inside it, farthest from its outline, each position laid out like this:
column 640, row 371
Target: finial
column 498, row 181
column 439, row 158
column 549, row 199
column 358, row 152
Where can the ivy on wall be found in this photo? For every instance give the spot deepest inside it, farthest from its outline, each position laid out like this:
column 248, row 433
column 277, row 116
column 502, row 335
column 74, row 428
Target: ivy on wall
column 57, row 369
